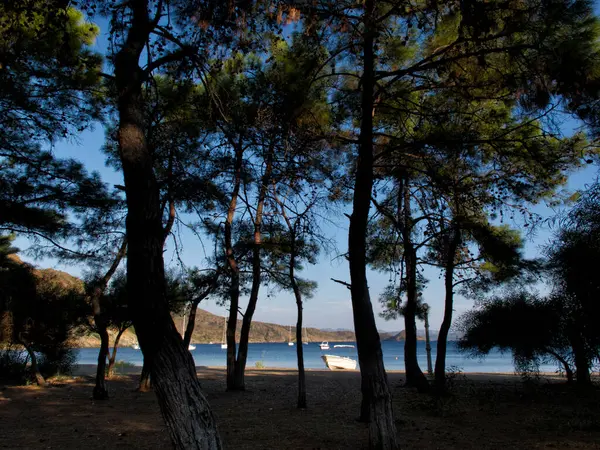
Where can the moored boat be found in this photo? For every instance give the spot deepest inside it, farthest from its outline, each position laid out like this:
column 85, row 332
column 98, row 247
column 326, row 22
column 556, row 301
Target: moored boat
column 335, row 362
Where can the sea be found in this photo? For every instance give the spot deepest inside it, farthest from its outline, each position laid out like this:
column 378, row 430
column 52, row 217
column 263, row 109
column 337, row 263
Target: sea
column 282, row 355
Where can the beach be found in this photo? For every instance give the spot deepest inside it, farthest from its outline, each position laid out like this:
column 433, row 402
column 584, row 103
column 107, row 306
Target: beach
column 483, row 411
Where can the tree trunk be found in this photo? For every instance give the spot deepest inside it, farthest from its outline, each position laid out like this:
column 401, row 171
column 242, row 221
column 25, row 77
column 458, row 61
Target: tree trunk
column 234, row 271
column 428, row 345
column 442, row 343
column 184, row 408
column 565, row 364
column 145, row 384
column 299, row 343
column 242, row 355
column 414, row 375
column 100, row 391
column 374, row 383
column 582, row 362
column 35, row 370
column 189, row 329
column 113, row 356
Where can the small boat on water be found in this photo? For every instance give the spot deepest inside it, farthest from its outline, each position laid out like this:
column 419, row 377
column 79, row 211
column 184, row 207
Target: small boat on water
column 335, row 362
column 324, row 345
column 290, row 343
column 343, row 346
column 191, row 347
column 135, row 346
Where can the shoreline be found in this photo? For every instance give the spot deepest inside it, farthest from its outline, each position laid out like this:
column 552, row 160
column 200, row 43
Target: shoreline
column 89, row 370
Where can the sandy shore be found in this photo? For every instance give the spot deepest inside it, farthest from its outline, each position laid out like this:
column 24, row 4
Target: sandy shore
column 485, row 411
column 90, row 370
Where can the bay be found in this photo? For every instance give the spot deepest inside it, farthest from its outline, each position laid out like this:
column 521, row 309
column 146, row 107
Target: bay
column 281, row 355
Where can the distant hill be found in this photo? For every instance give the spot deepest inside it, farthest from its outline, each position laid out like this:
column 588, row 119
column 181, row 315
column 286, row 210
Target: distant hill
column 209, row 328
column 400, row 337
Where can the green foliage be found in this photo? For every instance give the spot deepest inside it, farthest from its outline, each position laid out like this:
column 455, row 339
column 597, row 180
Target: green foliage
column 48, row 85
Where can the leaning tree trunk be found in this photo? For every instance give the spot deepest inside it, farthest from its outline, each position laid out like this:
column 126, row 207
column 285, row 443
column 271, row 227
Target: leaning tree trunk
column 442, row 343
column 35, row 369
column 414, row 375
column 568, row 371
column 374, row 383
column 189, row 329
column 186, row 412
column 113, row 356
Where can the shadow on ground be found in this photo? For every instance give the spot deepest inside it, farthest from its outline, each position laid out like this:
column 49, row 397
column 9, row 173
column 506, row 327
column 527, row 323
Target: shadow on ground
column 488, row 412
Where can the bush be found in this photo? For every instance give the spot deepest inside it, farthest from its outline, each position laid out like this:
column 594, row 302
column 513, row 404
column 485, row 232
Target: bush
column 120, row 366
column 57, row 361
column 13, row 364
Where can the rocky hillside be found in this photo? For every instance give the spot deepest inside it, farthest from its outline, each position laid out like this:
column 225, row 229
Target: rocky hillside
column 209, row 328
column 399, row 337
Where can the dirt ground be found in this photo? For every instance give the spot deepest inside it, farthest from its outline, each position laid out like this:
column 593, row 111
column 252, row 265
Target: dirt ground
column 483, row 412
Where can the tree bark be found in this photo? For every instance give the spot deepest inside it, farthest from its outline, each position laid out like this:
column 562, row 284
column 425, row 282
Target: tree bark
column 113, row 356
column 234, row 270
column 35, row 369
column 414, row 375
column 184, row 408
column 374, row 383
column 442, row 343
column 242, row 355
column 428, row 345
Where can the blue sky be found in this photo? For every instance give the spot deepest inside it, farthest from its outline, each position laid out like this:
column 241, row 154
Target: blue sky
column 330, row 307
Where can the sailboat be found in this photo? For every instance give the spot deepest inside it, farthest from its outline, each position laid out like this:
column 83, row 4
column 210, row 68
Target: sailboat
column 305, row 342
column 290, row 343
column 223, row 341
column 191, row 346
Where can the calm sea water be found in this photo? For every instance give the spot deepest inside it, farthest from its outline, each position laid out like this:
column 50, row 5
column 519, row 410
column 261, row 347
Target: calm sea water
column 282, row 355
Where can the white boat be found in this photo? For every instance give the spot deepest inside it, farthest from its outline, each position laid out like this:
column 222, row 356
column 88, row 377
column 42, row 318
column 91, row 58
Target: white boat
column 290, row 343
column 191, row 347
column 324, row 345
column 306, row 337
column 335, row 362
column 135, row 346
column 343, row 346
